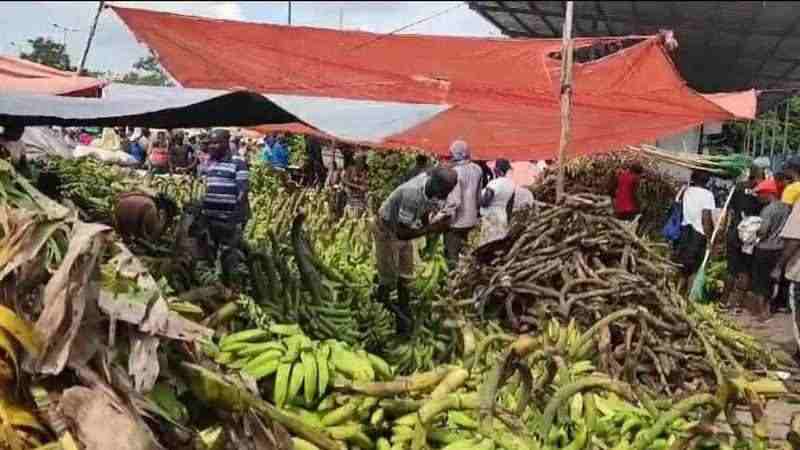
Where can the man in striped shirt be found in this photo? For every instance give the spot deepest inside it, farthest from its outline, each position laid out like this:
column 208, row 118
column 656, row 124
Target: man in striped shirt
column 226, row 205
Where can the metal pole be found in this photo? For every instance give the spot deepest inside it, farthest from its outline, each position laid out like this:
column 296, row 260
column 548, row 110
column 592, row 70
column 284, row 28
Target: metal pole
column 747, row 139
column 775, row 131
column 341, row 18
column 786, row 126
column 763, row 139
column 289, row 21
column 566, row 97
column 91, row 36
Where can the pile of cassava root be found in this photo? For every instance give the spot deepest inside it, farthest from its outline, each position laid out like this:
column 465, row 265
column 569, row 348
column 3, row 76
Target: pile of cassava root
column 575, row 261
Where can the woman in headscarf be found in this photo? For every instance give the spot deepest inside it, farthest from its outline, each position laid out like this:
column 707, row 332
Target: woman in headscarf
column 497, row 203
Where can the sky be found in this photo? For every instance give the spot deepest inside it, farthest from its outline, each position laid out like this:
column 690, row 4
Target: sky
column 115, row 49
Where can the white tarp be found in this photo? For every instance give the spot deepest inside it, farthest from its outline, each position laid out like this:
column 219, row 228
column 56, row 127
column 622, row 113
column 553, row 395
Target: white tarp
column 357, row 120
column 353, row 120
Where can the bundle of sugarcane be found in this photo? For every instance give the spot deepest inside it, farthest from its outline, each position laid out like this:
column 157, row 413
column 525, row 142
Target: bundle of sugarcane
column 594, row 174
column 728, row 166
column 577, row 261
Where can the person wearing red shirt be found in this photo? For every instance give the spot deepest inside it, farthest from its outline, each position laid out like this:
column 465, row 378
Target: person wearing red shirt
column 624, row 190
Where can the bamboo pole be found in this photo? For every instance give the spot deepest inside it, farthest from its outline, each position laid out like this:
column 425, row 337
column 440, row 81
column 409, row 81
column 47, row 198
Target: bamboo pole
column 566, row 97
column 91, row 36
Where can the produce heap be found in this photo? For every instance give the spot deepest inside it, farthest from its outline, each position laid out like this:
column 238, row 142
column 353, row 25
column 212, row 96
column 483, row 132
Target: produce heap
column 330, row 291
column 576, row 261
column 594, row 174
column 122, row 359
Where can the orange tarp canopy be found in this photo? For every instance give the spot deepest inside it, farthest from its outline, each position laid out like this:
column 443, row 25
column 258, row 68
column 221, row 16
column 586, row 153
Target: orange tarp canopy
column 742, row 104
column 19, row 76
column 504, row 92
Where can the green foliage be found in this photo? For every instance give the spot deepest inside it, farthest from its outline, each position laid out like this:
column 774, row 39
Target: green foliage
column 147, row 72
column 263, row 180
column 386, row 172
column 297, row 149
column 49, row 53
column 768, row 124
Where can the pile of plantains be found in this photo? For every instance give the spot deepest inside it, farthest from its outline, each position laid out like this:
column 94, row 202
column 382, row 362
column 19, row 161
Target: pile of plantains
column 575, row 261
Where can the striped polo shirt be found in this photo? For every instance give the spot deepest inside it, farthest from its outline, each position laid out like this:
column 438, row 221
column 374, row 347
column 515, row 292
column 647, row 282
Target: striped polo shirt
column 225, row 179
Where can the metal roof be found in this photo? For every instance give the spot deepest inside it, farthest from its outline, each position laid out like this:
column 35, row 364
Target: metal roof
column 723, row 46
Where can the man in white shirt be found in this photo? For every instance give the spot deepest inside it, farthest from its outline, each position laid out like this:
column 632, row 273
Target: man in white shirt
column 523, row 198
column 698, row 225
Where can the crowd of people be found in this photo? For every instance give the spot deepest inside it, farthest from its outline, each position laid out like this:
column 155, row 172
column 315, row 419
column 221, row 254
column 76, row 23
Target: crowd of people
column 761, row 239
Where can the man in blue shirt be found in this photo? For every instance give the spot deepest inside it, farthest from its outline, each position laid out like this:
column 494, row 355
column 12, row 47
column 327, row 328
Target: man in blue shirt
column 279, row 155
column 226, row 206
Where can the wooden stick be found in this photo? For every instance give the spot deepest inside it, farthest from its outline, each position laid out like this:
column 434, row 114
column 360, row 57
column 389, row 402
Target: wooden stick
column 566, row 98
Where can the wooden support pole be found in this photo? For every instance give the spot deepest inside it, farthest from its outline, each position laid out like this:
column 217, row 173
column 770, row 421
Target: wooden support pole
column 566, row 97
column 91, row 36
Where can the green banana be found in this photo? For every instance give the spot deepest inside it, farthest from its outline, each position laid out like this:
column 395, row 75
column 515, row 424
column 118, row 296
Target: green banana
column 281, row 388
column 295, row 381
column 256, row 349
column 265, row 369
column 341, row 414
column 323, row 369
column 285, row 330
column 259, row 360
column 242, row 336
column 310, row 377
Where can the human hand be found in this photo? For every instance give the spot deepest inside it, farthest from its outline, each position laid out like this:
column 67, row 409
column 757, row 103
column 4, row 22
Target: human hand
column 777, row 272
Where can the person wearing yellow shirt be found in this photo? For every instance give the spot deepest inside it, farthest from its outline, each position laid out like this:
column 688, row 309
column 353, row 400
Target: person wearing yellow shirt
column 791, row 193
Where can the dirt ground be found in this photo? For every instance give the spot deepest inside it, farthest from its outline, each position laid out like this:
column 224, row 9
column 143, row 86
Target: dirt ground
column 776, row 332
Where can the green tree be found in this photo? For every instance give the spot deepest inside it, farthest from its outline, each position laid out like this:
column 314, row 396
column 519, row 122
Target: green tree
column 147, row 71
column 48, row 52
column 769, row 126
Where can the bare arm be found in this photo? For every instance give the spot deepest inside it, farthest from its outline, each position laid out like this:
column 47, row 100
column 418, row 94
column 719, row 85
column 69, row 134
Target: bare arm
column 486, row 197
column 404, row 233
column 766, row 224
column 708, row 224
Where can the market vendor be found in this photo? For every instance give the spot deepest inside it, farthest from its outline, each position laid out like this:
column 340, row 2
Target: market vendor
column 697, row 225
column 226, row 205
column 788, row 267
column 623, row 191
column 158, row 153
column 404, row 216
column 181, row 154
column 138, row 215
column 462, row 204
column 497, row 203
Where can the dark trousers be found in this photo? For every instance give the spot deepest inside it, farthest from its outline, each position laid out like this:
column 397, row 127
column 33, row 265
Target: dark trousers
column 454, row 241
column 764, row 262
